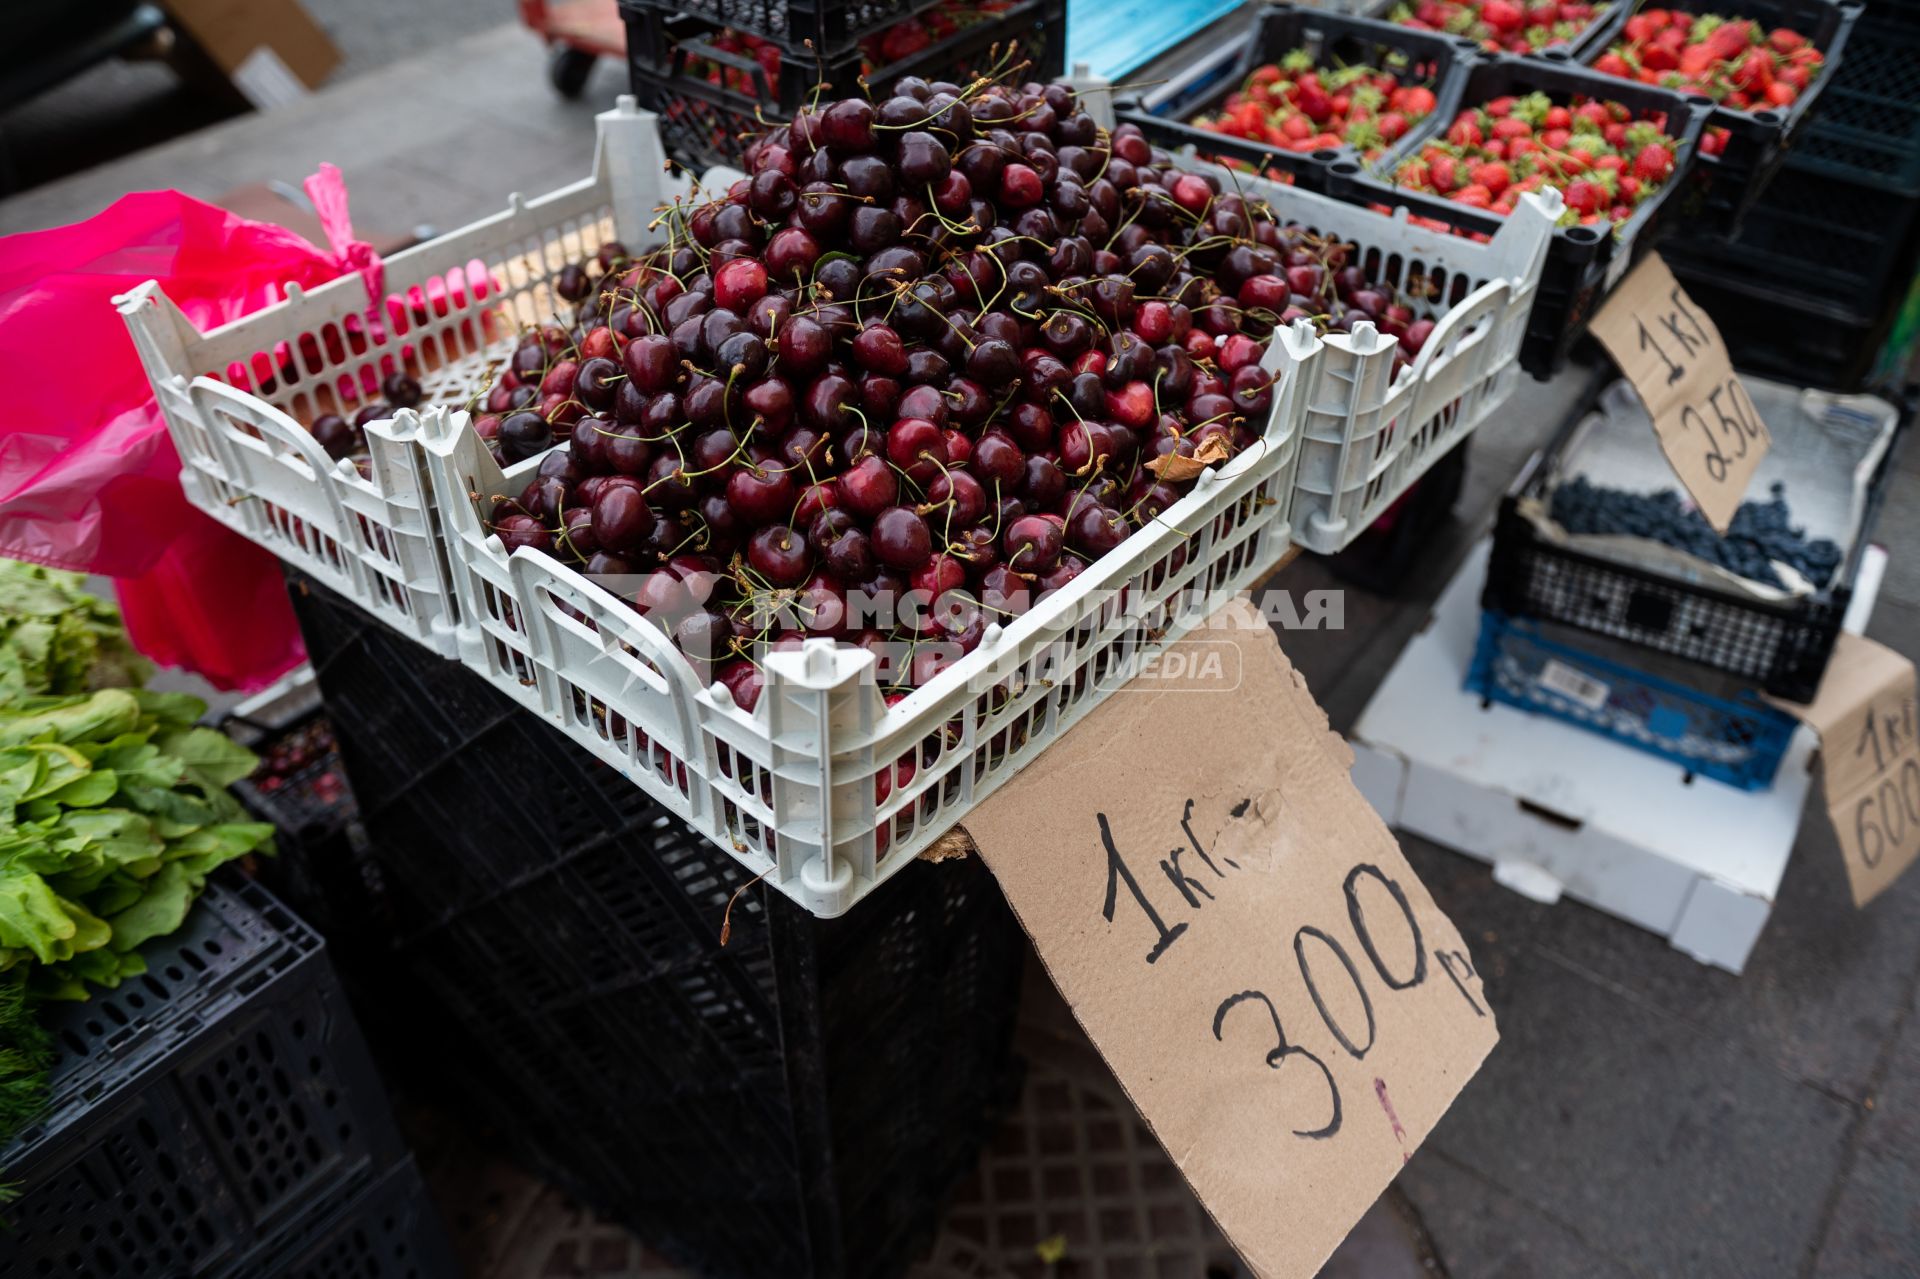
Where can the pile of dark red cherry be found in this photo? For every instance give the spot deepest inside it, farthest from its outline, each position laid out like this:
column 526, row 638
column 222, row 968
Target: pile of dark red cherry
column 934, row 357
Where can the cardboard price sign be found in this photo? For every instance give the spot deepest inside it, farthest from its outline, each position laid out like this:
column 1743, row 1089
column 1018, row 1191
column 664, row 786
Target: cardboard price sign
column 1870, row 759
column 1242, row 940
column 1671, row 352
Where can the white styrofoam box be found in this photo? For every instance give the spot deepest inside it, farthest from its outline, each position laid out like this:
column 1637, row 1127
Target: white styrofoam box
column 823, row 787
column 1365, row 434
column 238, row 397
column 1559, row 810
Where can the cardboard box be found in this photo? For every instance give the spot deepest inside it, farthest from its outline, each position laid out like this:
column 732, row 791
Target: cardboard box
column 271, row 51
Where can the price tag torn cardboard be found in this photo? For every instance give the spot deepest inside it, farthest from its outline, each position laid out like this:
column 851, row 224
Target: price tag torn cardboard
column 1869, row 759
column 1669, row 349
column 1239, row 935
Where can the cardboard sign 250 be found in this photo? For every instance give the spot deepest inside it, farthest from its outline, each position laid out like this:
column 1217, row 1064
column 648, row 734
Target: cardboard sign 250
column 1672, row 353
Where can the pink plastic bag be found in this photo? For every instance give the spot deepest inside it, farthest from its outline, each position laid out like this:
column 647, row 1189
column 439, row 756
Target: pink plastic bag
column 88, row 476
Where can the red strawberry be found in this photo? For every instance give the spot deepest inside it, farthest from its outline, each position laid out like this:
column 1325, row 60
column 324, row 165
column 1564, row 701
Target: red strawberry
column 1501, row 16
column 1414, row 101
column 1494, row 177
column 1755, row 72
column 1654, row 163
column 1728, row 40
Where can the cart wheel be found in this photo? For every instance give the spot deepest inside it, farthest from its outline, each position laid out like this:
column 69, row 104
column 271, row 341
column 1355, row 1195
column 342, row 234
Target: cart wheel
column 569, row 69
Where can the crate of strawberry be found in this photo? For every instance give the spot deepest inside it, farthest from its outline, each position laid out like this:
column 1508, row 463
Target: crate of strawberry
column 1309, row 87
column 1571, row 29
column 1602, row 160
column 1617, row 152
column 1762, row 62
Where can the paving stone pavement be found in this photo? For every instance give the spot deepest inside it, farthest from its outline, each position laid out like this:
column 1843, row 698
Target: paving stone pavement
column 1643, row 1115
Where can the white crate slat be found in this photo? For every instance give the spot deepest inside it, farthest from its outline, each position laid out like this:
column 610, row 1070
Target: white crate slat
column 1367, row 435
column 236, row 398
column 793, row 788
column 824, row 787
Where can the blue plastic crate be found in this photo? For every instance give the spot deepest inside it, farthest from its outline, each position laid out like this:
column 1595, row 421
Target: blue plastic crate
column 1737, row 741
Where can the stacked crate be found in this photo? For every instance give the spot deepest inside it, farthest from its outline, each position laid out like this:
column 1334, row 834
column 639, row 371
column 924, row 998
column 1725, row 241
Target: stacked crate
column 218, row 1117
column 754, row 1090
column 1661, row 652
column 720, row 71
column 1812, row 288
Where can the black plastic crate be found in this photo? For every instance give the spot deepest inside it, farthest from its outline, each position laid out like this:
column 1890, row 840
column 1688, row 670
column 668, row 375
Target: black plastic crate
column 1867, row 128
column 1846, row 243
column 800, row 27
column 1810, row 289
column 199, row 1109
column 1781, row 647
column 1788, row 335
column 1725, row 186
column 236, row 940
column 1583, row 262
column 387, row 1230
column 1334, row 40
column 704, row 123
column 1576, row 49
column 321, row 867
column 797, row 1102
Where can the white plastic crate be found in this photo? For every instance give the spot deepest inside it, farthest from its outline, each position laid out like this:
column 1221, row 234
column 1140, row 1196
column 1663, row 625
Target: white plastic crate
column 1366, row 435
column 795, row 788
column 237, row 398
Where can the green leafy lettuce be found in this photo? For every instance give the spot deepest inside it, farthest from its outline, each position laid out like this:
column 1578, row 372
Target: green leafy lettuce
column 114, row 805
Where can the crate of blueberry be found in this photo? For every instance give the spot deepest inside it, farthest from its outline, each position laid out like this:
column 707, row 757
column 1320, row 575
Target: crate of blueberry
column 1596, row 535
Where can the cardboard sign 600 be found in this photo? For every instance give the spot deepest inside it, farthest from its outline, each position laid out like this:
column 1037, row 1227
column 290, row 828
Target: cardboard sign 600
column 1870, row 747
column 1671, row 352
